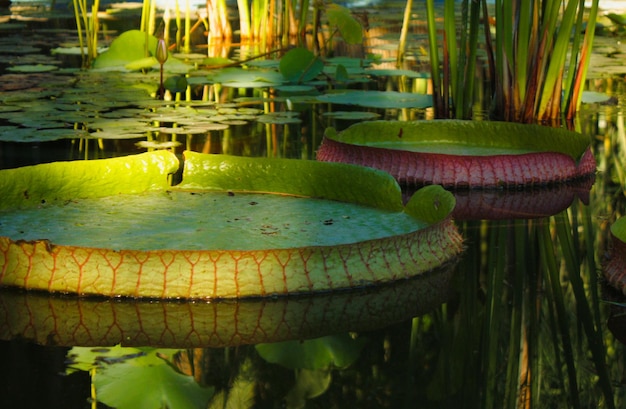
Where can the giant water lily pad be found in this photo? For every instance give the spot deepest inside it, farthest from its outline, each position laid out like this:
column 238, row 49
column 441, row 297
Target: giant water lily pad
column 235, row 227
column 466, row 154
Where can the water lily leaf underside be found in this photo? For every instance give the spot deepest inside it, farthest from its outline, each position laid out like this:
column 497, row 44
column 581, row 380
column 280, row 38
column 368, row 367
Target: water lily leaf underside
column 235, row 227
column 463, row 154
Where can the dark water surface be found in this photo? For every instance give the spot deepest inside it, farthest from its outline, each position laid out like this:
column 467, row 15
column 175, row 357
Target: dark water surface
column 494, row 330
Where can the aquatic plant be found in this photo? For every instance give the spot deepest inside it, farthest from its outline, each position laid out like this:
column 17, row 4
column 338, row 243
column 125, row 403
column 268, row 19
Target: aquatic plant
column 87, row 25
column 166, row 263
column 463, row 154
column 537, row 62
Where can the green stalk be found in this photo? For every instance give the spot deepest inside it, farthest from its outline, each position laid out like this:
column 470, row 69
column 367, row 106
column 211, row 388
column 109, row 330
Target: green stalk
column 187, row 45
column 434, row 57
column 179, row 34
column 93, row 52
column 523, row 43
column 406, row 21
column 145, row 15
column 79, row 29
column 304, row 12
column 470, row 62
column 453, row 75
column 575, row 97
column 550, row 98
column 244, row 18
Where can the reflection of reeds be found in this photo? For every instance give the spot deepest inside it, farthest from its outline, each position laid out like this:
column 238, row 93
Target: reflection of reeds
column 527, row 321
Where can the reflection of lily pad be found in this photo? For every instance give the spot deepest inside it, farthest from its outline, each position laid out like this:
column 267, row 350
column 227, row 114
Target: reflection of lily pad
column 71, row 321
column 144, row 245
column 463, row 153
column 378, row 99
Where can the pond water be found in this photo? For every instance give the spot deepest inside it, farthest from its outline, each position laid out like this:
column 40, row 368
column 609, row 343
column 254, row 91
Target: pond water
column 523, row 318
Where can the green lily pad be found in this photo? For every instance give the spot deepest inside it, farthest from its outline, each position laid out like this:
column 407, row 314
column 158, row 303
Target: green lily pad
column 378, row 99
column 242, row 78
column 33, row 68
column 300, row 65
column 123, row 231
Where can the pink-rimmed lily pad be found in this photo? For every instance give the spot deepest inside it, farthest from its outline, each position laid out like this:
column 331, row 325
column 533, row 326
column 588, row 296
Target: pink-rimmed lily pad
column 463, row 154
column 235, row 227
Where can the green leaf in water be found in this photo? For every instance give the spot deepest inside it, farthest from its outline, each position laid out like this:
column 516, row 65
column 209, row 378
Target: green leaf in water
column 176, row 83
column 243, row 78
column 128, row 47
column 300, row 65
column 618, row 229
column 431, row 204
column 379, row 99
column 338, row 351
column 348, row 26
column 139, row 378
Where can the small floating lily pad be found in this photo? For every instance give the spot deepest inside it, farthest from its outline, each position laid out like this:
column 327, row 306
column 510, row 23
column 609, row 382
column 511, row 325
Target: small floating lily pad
column 378, row 99
column 235, row 227
column 33, row 68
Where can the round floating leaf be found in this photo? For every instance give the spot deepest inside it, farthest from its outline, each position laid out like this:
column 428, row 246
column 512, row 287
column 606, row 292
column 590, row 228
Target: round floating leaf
column 431, row 204
column 33, row 68
column 242, row 78
column 378, row 99
column 300, row 65
column 591, row 97
column 352, row 115
column 128, row 235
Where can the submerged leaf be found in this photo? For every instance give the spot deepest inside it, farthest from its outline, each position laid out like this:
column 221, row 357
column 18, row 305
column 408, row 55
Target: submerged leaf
column 334, row 351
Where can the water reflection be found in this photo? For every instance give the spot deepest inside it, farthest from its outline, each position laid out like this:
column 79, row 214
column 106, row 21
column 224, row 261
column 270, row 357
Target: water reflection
column 527, row 323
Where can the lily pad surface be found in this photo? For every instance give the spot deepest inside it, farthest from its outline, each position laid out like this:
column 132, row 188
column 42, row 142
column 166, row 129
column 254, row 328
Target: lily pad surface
column 235, row 227
column 463, row 154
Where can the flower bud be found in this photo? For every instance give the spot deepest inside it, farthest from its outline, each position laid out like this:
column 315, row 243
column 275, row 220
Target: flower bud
column 161, row 51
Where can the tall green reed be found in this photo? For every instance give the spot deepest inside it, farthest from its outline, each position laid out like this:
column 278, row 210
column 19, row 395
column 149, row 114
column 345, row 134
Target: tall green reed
column 87, row 28
column 538, row 52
